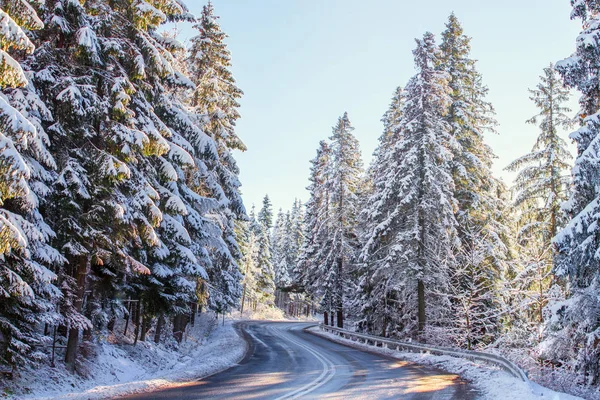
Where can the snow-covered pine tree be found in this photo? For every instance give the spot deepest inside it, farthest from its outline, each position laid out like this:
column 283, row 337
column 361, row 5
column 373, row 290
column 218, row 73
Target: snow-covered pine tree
column 264, row 262
column 411, row 222
column 117, row 208
column 540, row 187
column 472, row 291
column 286, row 240
column 314, row 232
column 344, row 175
column 215, row 103
column 374, row 302
column 265, row 215
column 574, row 325
column 280, row 240
column 470, row 116
column 542, row 183
column 249, row 249
column 28, row 264
column 296, row 238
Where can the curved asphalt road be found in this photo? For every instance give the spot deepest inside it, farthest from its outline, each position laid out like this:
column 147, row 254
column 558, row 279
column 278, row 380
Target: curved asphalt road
column 285, row 362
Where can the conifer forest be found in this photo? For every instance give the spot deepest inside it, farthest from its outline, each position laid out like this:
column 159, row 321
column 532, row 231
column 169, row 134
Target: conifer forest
column 122, row 218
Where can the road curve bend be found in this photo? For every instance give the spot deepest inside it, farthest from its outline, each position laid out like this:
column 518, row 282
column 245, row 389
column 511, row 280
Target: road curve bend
column 286, row 362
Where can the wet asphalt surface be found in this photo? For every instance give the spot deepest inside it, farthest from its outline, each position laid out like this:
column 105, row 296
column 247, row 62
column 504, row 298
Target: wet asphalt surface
column 286, row 362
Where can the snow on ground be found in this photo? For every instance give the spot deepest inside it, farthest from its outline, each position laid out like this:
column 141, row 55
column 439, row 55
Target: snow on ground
column 118, row 370
column 494, row 383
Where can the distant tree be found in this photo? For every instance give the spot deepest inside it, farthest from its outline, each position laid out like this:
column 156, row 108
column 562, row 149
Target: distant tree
column 265, row 215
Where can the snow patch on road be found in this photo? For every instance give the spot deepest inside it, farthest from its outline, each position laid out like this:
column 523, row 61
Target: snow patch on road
column 118, row 370
column 494, row 383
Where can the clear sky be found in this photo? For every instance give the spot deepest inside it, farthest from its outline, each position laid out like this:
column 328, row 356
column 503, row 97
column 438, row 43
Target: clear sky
column 302, row 63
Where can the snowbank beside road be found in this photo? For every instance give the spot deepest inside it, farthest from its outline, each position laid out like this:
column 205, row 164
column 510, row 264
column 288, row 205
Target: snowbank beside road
column 494, row 383
column 124, row 369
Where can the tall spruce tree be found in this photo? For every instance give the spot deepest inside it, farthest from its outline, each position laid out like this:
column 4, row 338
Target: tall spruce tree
column 574, row 324
column 265, row 274
column 411, row 222
column 479, row 207
column 541, row 184
column 28, row 264
column 215, row 102
column 314, row 232
column 540, row 187
column 376, row 300
column 344, row 173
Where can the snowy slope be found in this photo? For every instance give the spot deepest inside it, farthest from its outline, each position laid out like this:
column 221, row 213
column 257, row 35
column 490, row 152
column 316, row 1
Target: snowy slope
column 120, row 370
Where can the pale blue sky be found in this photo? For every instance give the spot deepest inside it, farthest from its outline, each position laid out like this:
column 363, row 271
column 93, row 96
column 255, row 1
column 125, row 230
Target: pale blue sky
column 302, row 63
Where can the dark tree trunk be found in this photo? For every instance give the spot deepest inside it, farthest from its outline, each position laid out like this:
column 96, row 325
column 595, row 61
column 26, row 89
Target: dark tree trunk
column 127, row 318
column 178, row 327
column 136, row 320
column 325, row 320
column 159, row 327
column 331, row 317
column 193, row 314
column 421, row 299
column 340, row 300
column 73, row 338
column 146, row 320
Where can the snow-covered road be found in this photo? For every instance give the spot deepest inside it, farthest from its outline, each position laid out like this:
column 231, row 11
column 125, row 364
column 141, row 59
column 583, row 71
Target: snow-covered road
column 285, row 362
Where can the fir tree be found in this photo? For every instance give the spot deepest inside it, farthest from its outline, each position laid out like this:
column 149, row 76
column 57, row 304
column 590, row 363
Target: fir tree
column 314, row 232
column 540, row 187
column 411, row 223
column 265, row 215
column 338, row 235
column 573, row 324
column 541, row 184
column 470, row 116
column 28, row 264
column 215, row 102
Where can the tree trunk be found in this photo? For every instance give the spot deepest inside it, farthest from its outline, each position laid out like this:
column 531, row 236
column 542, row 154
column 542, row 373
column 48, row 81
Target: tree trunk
column 340, row 300
column 73, row 339
column 127, row 318
column 137, row 322
column 325, row 319
column 421, row 299
column 145, row 325
column 331, row 317
column 243, row 297
column 159, row 327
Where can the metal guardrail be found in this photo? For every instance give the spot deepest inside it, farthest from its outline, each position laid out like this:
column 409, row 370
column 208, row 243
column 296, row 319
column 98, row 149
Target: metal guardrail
column 493, row 359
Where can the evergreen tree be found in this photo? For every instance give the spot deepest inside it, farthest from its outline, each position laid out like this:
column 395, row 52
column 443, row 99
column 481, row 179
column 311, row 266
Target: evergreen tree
column 344, row 173
column 574, row 324
column 540, row 187
column 411, row 223
column 314, row 232
column 470, row 116
column 265, row 215
column 248, row 247
column 280, row 241
column 28, row 264
column 541, row 184
column 215, row 102
column 376, row 301
column 264, row 262
column 286, row 239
